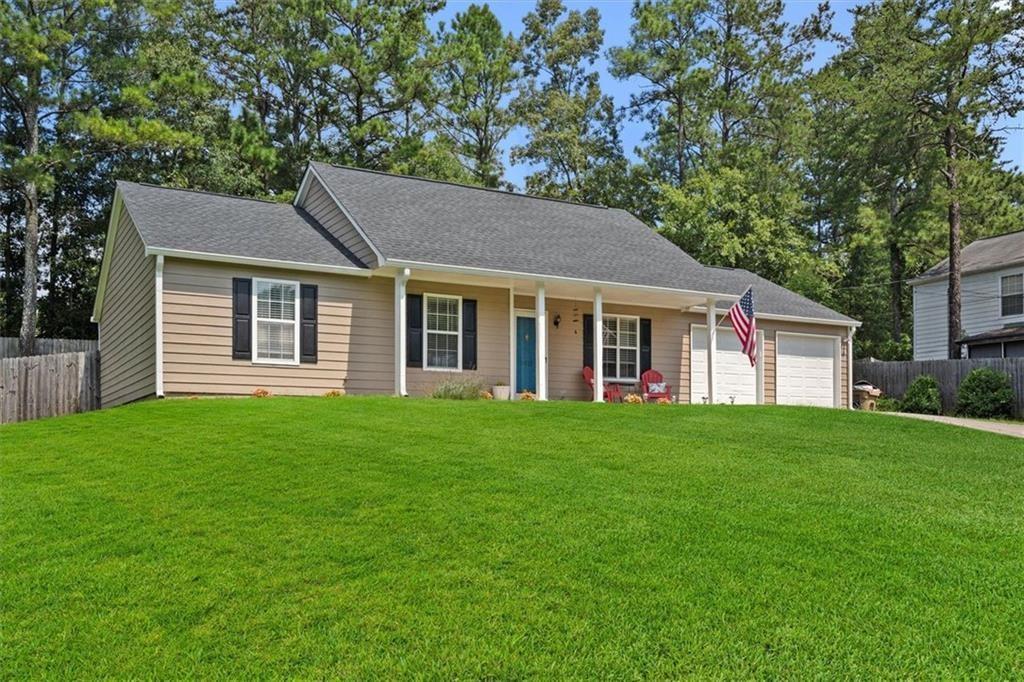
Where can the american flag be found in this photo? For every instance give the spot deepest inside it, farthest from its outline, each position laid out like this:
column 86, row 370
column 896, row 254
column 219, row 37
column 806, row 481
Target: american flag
column 742, row 315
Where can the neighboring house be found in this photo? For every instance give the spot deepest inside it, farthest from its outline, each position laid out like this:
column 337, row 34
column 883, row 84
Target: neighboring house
column 991, row 302
column 378, row 283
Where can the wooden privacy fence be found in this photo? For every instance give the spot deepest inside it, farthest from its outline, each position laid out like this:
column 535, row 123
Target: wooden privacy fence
column 894, row 377
column 49, row 385
column 9, row 346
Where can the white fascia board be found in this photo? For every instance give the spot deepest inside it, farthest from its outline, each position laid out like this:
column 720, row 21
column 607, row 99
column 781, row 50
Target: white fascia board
column 852, row 324
column 341, row 207
column 535, row 277
column 258, row 262
column 917, row 281
column 108, row 254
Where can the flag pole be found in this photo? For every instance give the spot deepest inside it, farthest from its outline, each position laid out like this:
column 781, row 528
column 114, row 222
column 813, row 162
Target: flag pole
column 719, row 323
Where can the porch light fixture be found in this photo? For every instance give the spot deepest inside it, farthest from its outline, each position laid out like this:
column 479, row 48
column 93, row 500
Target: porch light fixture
column 558, row 320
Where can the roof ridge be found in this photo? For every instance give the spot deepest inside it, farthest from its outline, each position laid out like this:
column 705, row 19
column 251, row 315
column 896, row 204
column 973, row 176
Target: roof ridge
column 203, row 191
column 994, row 236
column 459, row 184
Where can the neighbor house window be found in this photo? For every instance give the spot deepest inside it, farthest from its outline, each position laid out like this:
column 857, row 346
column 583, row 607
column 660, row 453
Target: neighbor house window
column 276, row 320
column 621, row 346
column 443, row 345
column 1012, row 292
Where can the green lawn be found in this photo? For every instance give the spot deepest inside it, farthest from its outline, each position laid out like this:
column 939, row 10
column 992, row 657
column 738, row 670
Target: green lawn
column 356, row 538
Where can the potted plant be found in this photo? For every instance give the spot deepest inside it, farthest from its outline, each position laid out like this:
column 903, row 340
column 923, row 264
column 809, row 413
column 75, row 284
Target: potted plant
column 501, row 390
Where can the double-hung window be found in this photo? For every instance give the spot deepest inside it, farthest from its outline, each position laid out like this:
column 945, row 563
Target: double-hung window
column 1011, row 293
column 621, row 340
column 276, row 321
column 442, row 341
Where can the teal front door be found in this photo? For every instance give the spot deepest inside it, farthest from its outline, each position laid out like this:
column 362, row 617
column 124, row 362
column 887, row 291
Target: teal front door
column 526, row 354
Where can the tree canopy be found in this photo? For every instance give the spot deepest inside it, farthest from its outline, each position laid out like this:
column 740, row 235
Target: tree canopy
column 842, row 182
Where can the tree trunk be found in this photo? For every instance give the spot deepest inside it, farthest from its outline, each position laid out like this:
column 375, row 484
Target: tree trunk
column 953, row 216
column 897, row 268
column 27, row 337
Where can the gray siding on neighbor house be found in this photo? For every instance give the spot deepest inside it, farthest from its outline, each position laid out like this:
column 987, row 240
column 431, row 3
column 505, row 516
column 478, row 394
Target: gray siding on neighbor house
column 319, row 204
column 128, row 321
column 981, row 310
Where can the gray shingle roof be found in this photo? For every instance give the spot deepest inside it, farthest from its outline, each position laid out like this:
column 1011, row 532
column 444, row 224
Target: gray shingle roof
column 233, row 226
column 427, row 221
column 984, row 254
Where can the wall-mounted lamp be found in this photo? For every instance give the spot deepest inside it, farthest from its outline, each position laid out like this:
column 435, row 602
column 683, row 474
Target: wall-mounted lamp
column 558, row 320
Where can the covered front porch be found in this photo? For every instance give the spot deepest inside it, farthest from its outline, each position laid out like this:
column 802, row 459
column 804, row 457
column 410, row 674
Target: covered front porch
column 549, row 334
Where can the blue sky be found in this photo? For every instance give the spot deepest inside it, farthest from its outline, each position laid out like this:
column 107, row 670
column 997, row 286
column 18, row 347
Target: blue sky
column 615, row 19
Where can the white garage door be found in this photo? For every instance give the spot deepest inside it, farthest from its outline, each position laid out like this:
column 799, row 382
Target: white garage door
column 805, row 370
column 735, row 379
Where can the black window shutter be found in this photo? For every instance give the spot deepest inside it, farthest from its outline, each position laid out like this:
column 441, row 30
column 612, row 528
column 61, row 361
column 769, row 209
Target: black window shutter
column 241, row 311
column 414, row 330
column 468, row 333
column 588, row 341
column 645, row 344
column 307, row 321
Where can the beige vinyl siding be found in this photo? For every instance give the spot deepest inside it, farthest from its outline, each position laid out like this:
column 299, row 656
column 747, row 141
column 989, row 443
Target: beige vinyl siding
column 669, row 344
column 128, row 323
column 355, row 335
column 323, row 208
column 492, row 337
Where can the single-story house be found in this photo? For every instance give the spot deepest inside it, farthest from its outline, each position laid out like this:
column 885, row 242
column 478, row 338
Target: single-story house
column 991, row 302
column 376, row 283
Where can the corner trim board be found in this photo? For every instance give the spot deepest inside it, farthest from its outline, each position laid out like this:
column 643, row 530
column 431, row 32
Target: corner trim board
column 159, row 292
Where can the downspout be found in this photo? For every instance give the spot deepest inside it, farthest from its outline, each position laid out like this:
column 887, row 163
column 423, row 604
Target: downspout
column 159, row 326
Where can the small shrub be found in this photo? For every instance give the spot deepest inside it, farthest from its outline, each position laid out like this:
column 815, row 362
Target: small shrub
column 985, row 393
column 499, row 382
column 922, row 396
column 486, row 395
column 261, row 393
column 333, row 393
column 887, row 404
column 664, row 401
column 527, row 396
column 633, row 399
column 457, row 389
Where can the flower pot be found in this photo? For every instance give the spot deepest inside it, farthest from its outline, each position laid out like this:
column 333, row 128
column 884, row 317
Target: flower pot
column 501, row 392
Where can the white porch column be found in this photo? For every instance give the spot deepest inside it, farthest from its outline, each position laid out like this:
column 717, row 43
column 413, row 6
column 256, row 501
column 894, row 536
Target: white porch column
column 542, row 344
column 598, row 347
column 712, row 347
column 401, row 278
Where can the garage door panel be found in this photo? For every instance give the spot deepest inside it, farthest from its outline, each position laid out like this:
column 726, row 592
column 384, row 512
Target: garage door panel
column 736, row 380
column 805, row 370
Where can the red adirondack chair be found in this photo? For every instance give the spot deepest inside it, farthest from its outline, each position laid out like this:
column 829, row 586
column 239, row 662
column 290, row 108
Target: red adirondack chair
column 649, row 377
column 611, row 391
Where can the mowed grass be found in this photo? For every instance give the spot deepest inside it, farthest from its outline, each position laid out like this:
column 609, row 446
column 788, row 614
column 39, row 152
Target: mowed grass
column 363, row 537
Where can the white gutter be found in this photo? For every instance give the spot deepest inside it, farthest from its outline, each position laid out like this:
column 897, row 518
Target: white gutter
column 259, row 262
column 535, row 277
column 853, row 324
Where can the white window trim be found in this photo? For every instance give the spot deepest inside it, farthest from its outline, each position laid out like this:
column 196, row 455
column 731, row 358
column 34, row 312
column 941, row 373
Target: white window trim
column 1001, row 295
column 255, row 322
column 427, row 333
column 619, row 379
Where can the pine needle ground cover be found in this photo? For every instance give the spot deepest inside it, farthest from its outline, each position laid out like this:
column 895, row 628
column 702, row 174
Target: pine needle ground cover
column 362, row 537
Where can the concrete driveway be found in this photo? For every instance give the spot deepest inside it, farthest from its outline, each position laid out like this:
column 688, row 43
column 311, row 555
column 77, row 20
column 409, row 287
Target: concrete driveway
column 1015, row 429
